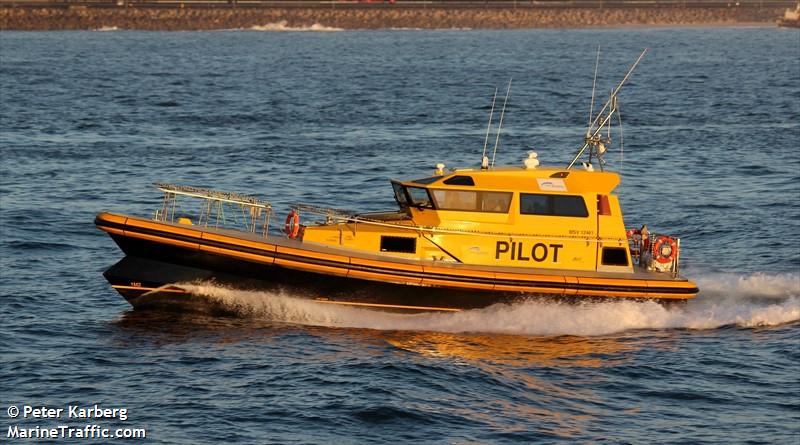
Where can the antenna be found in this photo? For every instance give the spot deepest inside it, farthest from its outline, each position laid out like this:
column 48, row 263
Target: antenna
column 500, row 125
column 621, row 140
column 597, row 120
column 600, row 145
column 611, row 110
column 488, row 127
column 594, row 84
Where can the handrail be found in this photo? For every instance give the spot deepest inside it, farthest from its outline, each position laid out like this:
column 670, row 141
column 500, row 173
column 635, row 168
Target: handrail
column 327, row 211
column 201, row 193
column 255, row 212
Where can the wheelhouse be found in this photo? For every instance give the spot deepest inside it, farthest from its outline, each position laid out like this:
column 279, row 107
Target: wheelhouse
column 497, row 193
column 544, row 218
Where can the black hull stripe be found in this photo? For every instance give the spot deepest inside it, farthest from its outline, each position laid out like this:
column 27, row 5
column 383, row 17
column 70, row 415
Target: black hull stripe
column 396, row 272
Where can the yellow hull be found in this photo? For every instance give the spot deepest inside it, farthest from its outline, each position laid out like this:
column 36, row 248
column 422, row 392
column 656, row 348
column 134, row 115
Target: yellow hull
column 182, row 244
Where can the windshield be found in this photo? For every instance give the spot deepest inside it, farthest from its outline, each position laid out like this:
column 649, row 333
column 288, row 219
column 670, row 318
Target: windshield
column 400, row 195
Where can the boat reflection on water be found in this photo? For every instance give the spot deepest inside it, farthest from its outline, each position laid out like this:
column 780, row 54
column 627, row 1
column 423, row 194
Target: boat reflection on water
column 517, row 399
column 514, row 350
column 479, row 349
column 476, row 348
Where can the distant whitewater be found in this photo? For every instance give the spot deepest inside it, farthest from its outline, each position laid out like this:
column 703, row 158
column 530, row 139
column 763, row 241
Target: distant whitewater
column 283, row 25
column 746, row 301
column 106, row 29
column 454, row 28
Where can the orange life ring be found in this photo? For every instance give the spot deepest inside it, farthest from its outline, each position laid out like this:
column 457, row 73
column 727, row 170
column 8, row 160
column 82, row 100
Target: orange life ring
column 662, row 243
column 292, row 224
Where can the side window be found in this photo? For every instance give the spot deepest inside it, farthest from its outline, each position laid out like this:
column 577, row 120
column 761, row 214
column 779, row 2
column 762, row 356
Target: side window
column 552, row 205
column 569, row 206
column 419, row 197
column 496, row 202
column 472, row 201
column 427, row 181
column 455, row 199
column 614, row 256
column 534, row 204
column 398, row 244
column 460, row 180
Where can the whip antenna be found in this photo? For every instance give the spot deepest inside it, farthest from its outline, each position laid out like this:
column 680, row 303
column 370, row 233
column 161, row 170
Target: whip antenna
column 500, row 125
column 621, row 140
column 484, row 164
column 594, row 84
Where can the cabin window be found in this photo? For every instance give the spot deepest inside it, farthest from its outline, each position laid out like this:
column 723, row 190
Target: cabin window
column 456, row 199
column 400, row 195
column 614, row 256
column 427, row 181
column 399, row 244
column 460, row 180
column 472, row 201
column 552, row 205
column 419, row 197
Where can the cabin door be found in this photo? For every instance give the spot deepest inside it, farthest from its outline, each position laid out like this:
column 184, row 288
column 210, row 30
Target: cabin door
column 611, row 255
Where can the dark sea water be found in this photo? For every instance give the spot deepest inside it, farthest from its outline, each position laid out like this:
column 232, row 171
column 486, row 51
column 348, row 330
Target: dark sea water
column 711, row 128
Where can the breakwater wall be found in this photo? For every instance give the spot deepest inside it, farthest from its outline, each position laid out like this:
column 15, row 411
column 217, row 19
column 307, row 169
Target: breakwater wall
column 181, row 17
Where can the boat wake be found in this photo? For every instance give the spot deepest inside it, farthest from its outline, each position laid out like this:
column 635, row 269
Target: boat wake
column 725, row 300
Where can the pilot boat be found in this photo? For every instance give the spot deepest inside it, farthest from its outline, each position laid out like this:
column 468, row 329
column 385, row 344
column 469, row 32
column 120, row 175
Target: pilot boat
column 458, row 239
